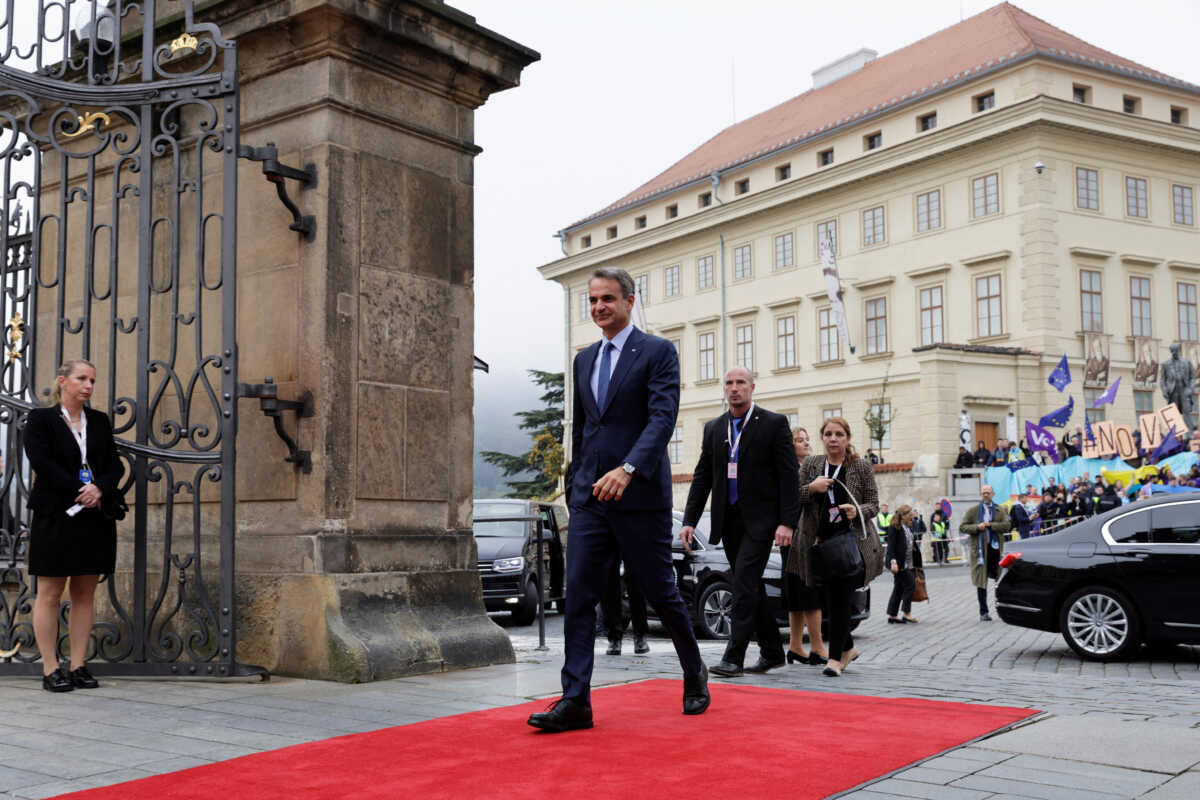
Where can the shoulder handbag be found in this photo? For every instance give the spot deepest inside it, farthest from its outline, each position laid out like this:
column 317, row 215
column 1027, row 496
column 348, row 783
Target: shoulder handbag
column 920, row 595
column 839, row 554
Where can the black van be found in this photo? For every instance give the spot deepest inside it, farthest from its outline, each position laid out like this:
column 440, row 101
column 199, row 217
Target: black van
column 506, row 537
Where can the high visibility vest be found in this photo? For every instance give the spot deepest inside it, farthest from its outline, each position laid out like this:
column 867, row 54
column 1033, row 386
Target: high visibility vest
column 939, row 530
column 882, row 521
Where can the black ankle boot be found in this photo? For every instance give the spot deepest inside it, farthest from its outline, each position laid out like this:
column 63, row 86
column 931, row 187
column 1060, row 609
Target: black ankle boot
column 57, row 681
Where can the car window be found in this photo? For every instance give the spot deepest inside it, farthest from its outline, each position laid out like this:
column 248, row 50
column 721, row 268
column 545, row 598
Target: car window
column 547, row 517
column 1131, row 528
column 513, row 529
column 1177, row 523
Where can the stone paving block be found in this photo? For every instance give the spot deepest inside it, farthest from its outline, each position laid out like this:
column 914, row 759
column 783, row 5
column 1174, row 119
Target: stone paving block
column 1033, row 790
column 51, row 789
column 953, row 763
column 926, row 791
column 54, row 764
column 1170, row 750
column 926, row 773
column 1130, row 784
column 232, row 736
column 977, row 753
column 1181, row 787
column 14, row 778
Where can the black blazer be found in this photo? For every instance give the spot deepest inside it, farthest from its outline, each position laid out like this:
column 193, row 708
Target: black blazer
column 634, row 426
column 54, row 456
column 768, row 475
column 895, row 548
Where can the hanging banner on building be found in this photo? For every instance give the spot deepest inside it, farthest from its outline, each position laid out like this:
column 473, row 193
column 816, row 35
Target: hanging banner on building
column 1190, row 351
column 833, row 288
column 965, row 430
column 1095, row 370
column 1145, row 361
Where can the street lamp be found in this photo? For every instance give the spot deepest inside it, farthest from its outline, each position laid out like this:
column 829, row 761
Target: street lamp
column 95, row 29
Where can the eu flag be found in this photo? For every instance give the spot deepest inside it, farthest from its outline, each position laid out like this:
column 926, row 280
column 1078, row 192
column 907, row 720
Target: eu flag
column 1058, row 417
column 1061, row 376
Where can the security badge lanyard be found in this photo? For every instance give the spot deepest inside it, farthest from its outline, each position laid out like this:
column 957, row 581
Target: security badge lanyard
column 85, row 472
column 734, row 441
column 835, row 513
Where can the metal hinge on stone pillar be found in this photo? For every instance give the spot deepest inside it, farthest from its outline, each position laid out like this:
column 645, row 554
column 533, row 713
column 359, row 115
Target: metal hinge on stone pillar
column 267, row 393
column 277, row 173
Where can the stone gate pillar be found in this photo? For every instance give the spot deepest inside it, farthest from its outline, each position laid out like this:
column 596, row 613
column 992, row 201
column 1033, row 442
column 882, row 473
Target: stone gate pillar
column 363, row 569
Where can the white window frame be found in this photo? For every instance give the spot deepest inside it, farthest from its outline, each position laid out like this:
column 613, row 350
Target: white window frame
column 1141, row 307
column 985, row 195
column 744, row 350
column 830, row 225
column 1137, row 197
column 1091, row 294
column 1186, row 311
column 785, row 250
column 641, row 287
column 743, row 262
column 876, row 326
column 829, row 344
column 671, row 284
column 995, row 309
column 874, row 230
column 1087, row 188
column 706, row 356
column 1183, row 205
column 675, row 446
column 933, row 331
column 785, row 341
column 704, row 272
column 932, row 211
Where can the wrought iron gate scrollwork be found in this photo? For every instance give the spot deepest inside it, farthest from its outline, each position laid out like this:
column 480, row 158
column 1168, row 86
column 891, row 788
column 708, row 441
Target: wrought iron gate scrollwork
column 118, row 155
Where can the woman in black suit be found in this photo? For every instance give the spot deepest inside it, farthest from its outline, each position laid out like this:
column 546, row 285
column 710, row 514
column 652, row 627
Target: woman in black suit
column 75, row 462
column 903, row 558
column 803, row 601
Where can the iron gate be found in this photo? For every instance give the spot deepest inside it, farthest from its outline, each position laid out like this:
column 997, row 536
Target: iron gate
column 119, row 165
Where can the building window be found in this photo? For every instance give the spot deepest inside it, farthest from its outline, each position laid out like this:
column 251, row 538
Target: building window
column 829, row 348
column 679, row 357
column 1089, row 400
column 675, row 446
column 1143, row 402
column 985, row 101
column 744, row 335
column 825, row 158
column 1087, row 188
column 785, row 342
column 585, row 241
column 929, row 210
column 1186, row 298
column 783, row 251
column 641, row 286
column 985, row 194
column 704, row 200
column 707, row 360
column 671, row 287
column 673, row 211
column 1090, row 300
column 873, row 141
column 927, row 122
column 584, row 305
column 931, row 315
column 987, row 306
column 1178, row 115
column 829, row 413
column 1139, row 306
column 793, row 420
column 611, row 232
column 742, row 186
column 1181, row 197
column 884, row 410
column 873, row 226
column 783, row 172
column 1131, row 104
column 827, row 230
column 639, row 222
column 742, row 267
column 1081, row 94
column 704, row 272
column 1135, row 197
column 876, row 326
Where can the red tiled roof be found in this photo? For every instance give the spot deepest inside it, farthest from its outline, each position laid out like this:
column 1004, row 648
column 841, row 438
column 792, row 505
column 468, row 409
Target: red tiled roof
column 987, row 40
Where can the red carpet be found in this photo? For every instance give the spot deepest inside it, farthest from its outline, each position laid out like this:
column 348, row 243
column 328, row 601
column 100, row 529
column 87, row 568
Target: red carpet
column 752, row 742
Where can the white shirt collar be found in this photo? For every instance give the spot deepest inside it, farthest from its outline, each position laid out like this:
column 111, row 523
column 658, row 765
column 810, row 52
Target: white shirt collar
column 618, row 341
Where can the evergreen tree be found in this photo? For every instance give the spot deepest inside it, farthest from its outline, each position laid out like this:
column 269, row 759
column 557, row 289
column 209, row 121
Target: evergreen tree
column 545, row 456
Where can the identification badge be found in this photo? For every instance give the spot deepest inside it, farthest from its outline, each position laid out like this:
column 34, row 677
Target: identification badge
column 85, row 475
column 731, row 471
column 835, row 514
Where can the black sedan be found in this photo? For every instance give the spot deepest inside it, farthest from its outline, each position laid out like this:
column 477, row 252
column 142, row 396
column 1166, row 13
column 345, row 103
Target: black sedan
column 1113, row 582
column 704, row 581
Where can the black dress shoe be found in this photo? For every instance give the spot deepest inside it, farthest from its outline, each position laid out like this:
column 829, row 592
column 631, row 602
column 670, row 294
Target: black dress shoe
column 896, row 621
column 695, row 692
column 640, row 645
column 796, row 658
column 81, row 678
column 817, row 660
column 614, row 647
column 565, row 715
column 727, row 669
column 985, row 617
column 764, row 665
column 57, row 681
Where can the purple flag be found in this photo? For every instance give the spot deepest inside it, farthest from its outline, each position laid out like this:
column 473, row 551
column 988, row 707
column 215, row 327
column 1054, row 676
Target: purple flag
column 1110, row 394
column 1038, row 438
column 1169, row 445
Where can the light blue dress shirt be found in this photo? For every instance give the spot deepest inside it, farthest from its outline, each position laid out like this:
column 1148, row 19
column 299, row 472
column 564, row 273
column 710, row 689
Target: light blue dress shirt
column 618, row 343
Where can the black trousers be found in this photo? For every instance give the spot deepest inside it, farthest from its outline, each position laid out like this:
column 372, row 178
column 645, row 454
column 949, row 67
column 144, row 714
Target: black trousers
column 751, row 614
column 903, row 584
column 840, row 594
column 941, row 551
column 610, row 604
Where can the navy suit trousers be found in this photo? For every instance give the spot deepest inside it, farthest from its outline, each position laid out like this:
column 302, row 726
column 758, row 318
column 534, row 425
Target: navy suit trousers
column 599, row 533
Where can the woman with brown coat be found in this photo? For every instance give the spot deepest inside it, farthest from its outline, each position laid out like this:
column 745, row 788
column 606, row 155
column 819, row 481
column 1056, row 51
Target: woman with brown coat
column 838, row 497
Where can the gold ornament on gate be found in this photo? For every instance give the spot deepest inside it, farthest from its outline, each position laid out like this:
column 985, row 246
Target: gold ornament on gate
column 16, row 331
column 87, row 124
column 186, row 44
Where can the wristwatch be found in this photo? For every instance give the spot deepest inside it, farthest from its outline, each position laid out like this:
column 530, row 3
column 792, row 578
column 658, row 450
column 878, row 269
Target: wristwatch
column 629, row 468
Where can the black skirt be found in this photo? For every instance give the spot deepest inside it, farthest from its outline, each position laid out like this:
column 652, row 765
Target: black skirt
column 61, row 546
column 798, row 595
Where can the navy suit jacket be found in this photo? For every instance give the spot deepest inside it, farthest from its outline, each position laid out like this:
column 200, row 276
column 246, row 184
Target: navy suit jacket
column 634, row 426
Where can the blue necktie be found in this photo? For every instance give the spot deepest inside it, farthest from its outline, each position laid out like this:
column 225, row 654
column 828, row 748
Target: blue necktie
column 733, row 492
column 605, row 369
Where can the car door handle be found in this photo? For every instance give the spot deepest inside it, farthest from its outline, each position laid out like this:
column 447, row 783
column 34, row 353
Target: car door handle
column 1136, row 553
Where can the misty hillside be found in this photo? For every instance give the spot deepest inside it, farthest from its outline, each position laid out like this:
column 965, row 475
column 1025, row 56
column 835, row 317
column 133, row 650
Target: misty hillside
column 499, row 395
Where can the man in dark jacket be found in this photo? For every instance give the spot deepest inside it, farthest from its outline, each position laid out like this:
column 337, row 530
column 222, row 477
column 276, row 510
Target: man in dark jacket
column 982, row 455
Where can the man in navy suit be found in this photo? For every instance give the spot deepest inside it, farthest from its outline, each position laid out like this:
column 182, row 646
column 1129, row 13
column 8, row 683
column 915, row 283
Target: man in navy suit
column 618, row 485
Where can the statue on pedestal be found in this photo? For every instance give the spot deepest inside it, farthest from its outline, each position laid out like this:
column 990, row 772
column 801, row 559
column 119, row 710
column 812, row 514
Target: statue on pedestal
column 1178, row 385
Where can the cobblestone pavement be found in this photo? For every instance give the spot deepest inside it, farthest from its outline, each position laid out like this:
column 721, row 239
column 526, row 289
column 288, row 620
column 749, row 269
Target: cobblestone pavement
column 1116, row 731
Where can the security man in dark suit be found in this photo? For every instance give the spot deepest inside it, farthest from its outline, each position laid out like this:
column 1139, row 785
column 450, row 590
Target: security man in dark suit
column 618, row 486
column 748, row 464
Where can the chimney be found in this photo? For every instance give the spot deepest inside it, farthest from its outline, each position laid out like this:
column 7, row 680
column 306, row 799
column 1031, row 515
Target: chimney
column 842, row 67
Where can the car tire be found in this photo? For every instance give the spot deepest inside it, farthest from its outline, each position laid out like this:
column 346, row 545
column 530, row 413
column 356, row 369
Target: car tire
column 1100, row 624
column 526, row 611
column 714, row 611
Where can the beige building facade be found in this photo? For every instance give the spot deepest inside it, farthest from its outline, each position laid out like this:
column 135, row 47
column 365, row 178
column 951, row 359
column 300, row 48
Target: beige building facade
column 984, row 220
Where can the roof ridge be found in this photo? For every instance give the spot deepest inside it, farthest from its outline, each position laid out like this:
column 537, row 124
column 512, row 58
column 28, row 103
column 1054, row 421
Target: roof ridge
column 1009, row 10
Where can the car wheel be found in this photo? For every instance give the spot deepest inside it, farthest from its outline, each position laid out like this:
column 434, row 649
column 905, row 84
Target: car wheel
column 714, row 619
column 526, row 611
column 1100, row 624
